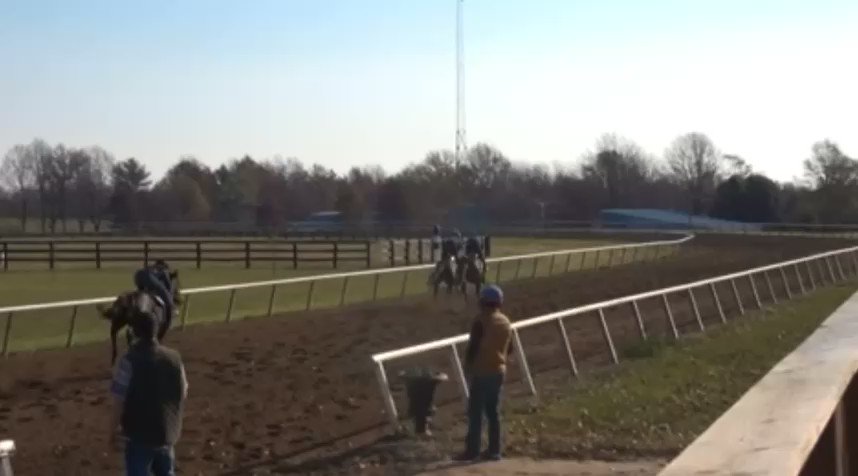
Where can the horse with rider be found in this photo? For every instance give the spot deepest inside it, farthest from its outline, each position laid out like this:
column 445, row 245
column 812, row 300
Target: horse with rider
column 462, row 261
column 157, row 293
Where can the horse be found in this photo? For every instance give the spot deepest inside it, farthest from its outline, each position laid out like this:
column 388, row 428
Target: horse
column 444, row 273
column 473, row 273
column 130, row 304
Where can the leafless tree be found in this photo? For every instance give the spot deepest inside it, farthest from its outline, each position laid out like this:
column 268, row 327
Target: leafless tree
column 16, row 173
column 695, row 163
column 621, row 169
column 91, row 187
column 833, row 176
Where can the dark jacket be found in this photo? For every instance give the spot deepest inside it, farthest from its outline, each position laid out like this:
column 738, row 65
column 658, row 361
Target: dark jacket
column 154, row 393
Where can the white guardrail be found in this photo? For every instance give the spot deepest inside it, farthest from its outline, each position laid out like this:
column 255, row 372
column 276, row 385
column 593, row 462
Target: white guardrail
column 639, row 251
column 557, row 317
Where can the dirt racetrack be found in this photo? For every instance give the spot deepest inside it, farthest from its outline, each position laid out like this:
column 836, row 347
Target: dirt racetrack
column 267, row 391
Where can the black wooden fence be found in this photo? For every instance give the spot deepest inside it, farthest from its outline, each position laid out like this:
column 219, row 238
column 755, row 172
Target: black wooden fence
column 246, row 252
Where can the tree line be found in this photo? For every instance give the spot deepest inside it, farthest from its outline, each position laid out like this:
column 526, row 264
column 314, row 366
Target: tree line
column 58, row 186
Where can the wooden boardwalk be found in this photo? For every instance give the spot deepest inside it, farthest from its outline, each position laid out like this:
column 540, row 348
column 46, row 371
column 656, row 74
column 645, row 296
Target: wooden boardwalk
column 529, row 467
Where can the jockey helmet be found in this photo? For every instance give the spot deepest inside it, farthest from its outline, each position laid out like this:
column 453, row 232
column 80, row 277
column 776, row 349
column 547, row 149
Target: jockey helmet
column 492, row 295
column 436, row 229
column 159, row 263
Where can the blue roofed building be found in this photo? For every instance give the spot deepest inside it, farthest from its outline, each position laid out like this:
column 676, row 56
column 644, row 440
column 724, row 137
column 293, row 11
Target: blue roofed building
column 654, row 219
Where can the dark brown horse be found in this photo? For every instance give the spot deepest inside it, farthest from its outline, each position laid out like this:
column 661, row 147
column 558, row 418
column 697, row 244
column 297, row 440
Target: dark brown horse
column 130, row 304
column 444, row 273
column 473, row 273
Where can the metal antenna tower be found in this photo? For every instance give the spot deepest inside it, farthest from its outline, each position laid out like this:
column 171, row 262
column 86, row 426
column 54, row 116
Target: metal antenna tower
column 461, row 143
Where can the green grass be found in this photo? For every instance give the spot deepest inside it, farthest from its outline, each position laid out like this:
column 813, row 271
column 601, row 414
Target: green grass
column 41, row 329
column 657, row 403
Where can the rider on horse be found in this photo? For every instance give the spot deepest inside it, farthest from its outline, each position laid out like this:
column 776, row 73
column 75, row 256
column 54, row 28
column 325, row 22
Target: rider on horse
column 436, row 237
column 155, row 279
column 474, row 251
column 449, row 251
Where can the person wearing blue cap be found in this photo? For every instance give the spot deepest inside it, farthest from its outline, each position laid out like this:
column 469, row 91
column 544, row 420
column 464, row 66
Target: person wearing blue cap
column 489, row 345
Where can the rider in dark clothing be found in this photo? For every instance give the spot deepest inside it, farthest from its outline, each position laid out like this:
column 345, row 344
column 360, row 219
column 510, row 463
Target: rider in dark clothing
column 156, row 279
column 473, row 248
column 474, row 251
column 449, row 249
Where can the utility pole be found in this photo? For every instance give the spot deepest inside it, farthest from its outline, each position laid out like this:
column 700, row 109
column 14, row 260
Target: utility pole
column 461, row 144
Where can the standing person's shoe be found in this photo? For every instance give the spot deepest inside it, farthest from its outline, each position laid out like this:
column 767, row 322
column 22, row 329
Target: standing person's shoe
column 487, row 456
column 466, row 457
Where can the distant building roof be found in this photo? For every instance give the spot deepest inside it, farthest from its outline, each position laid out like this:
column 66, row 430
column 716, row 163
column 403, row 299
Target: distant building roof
column 665, row 219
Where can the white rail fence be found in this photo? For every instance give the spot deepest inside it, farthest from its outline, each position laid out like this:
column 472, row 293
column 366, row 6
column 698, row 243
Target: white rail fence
column 505, row 269
column 830, row 263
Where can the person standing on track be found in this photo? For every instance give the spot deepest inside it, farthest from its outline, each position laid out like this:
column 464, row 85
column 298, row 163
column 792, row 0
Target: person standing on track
column 489, row 345
column 149, row 389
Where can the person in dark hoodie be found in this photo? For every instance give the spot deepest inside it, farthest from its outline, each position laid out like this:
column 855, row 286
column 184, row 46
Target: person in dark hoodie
column 489, row 346
column 149, row 388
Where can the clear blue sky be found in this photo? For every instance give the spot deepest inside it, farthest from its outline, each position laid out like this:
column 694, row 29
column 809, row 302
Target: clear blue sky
column 347, row 82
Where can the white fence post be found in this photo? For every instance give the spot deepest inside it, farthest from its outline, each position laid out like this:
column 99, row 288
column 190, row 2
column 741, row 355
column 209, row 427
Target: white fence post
column 836, row 259
column 7, row 333
column 800, row 280
column 830, row 269
column 70, row 338
column 717, row 302
column 737, row 297
column 456, row 362
column 404, row 285
column 310, row 295
column 568, row 347
column 343, row 290
column 375, row 287
column 271, row 299
column 821, row 270
column 669, row 314
column 755, row 292
column 606, row 332
column 771, row 288
column 387, row 397
column 810, row 275
column 522, row 361
column 230, row 305
column 696, row 310
column 786, row 283
column 639, row 319
column 186, row 308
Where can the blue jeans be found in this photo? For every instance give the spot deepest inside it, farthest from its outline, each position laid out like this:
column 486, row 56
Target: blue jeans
column 484, row 399
column 143, row 460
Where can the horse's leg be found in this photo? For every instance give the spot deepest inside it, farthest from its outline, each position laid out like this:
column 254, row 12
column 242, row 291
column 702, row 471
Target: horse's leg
column 114, row 329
